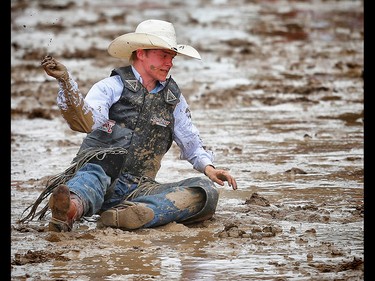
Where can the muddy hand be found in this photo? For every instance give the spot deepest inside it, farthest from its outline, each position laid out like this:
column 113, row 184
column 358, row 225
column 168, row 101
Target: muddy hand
column 54, row 68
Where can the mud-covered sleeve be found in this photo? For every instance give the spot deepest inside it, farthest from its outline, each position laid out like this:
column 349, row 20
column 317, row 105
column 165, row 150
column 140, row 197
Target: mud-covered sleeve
column 84, row 114
column 186, row 135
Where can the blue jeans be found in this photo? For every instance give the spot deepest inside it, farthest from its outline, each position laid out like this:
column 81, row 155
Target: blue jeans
column 93, row 187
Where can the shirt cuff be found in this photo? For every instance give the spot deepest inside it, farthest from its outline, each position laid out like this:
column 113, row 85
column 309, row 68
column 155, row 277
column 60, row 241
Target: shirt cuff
column 202, row 164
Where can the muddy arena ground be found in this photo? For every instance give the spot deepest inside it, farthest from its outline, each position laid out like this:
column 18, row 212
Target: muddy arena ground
column 278, row 97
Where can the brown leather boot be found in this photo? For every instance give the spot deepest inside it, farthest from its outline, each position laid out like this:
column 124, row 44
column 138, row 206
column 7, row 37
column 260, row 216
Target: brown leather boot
column 66, row 208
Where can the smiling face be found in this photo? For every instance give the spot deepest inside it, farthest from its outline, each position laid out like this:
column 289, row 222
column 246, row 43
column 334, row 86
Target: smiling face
column 154, row 64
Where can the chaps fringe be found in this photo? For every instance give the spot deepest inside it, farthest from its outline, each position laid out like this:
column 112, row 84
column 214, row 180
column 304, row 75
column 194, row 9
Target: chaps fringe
column 56, row 180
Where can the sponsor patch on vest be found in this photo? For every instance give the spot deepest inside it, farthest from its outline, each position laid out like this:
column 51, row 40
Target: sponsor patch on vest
column 159, row 121
column 107, row 126
column 170, row 96
column 133, row 84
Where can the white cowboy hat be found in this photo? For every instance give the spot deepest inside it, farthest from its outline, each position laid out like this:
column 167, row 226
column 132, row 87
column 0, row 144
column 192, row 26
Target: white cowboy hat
column 150, row 34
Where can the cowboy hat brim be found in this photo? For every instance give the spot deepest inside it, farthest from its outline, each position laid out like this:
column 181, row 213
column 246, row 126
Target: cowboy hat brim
column 123, row 46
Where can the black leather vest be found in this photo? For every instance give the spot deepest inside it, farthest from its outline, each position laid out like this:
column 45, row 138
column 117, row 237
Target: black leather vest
column 140, row 122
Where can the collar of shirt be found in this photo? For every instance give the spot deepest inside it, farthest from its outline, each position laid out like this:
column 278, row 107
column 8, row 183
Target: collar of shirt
column 159, row 86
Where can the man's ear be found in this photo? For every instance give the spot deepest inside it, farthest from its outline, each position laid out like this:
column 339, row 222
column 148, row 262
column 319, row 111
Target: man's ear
column 140, row 54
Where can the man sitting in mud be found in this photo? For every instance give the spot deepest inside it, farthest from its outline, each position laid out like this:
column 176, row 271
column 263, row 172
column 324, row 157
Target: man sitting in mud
column 131, row 119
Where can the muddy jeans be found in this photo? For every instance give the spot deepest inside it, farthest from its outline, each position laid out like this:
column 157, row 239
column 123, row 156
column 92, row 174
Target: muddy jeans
column 189, row 200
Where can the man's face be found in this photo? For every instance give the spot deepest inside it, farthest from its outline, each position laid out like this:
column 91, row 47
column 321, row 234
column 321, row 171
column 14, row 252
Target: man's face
column 158, row 62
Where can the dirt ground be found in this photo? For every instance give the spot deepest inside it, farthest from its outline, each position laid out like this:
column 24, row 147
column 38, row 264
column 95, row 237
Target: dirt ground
column 278, row 97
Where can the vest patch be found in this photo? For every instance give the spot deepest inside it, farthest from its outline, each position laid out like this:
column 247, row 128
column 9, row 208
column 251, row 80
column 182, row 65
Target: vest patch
column 133, row 84
column 159, row 121
column 170, row 96
column 107, row 126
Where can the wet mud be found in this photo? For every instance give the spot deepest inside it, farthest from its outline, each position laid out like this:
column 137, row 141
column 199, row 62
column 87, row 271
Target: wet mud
column 278, row 97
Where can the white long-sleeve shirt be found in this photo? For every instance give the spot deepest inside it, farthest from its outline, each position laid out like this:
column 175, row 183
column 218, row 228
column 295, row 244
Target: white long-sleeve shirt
column 107, row 91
